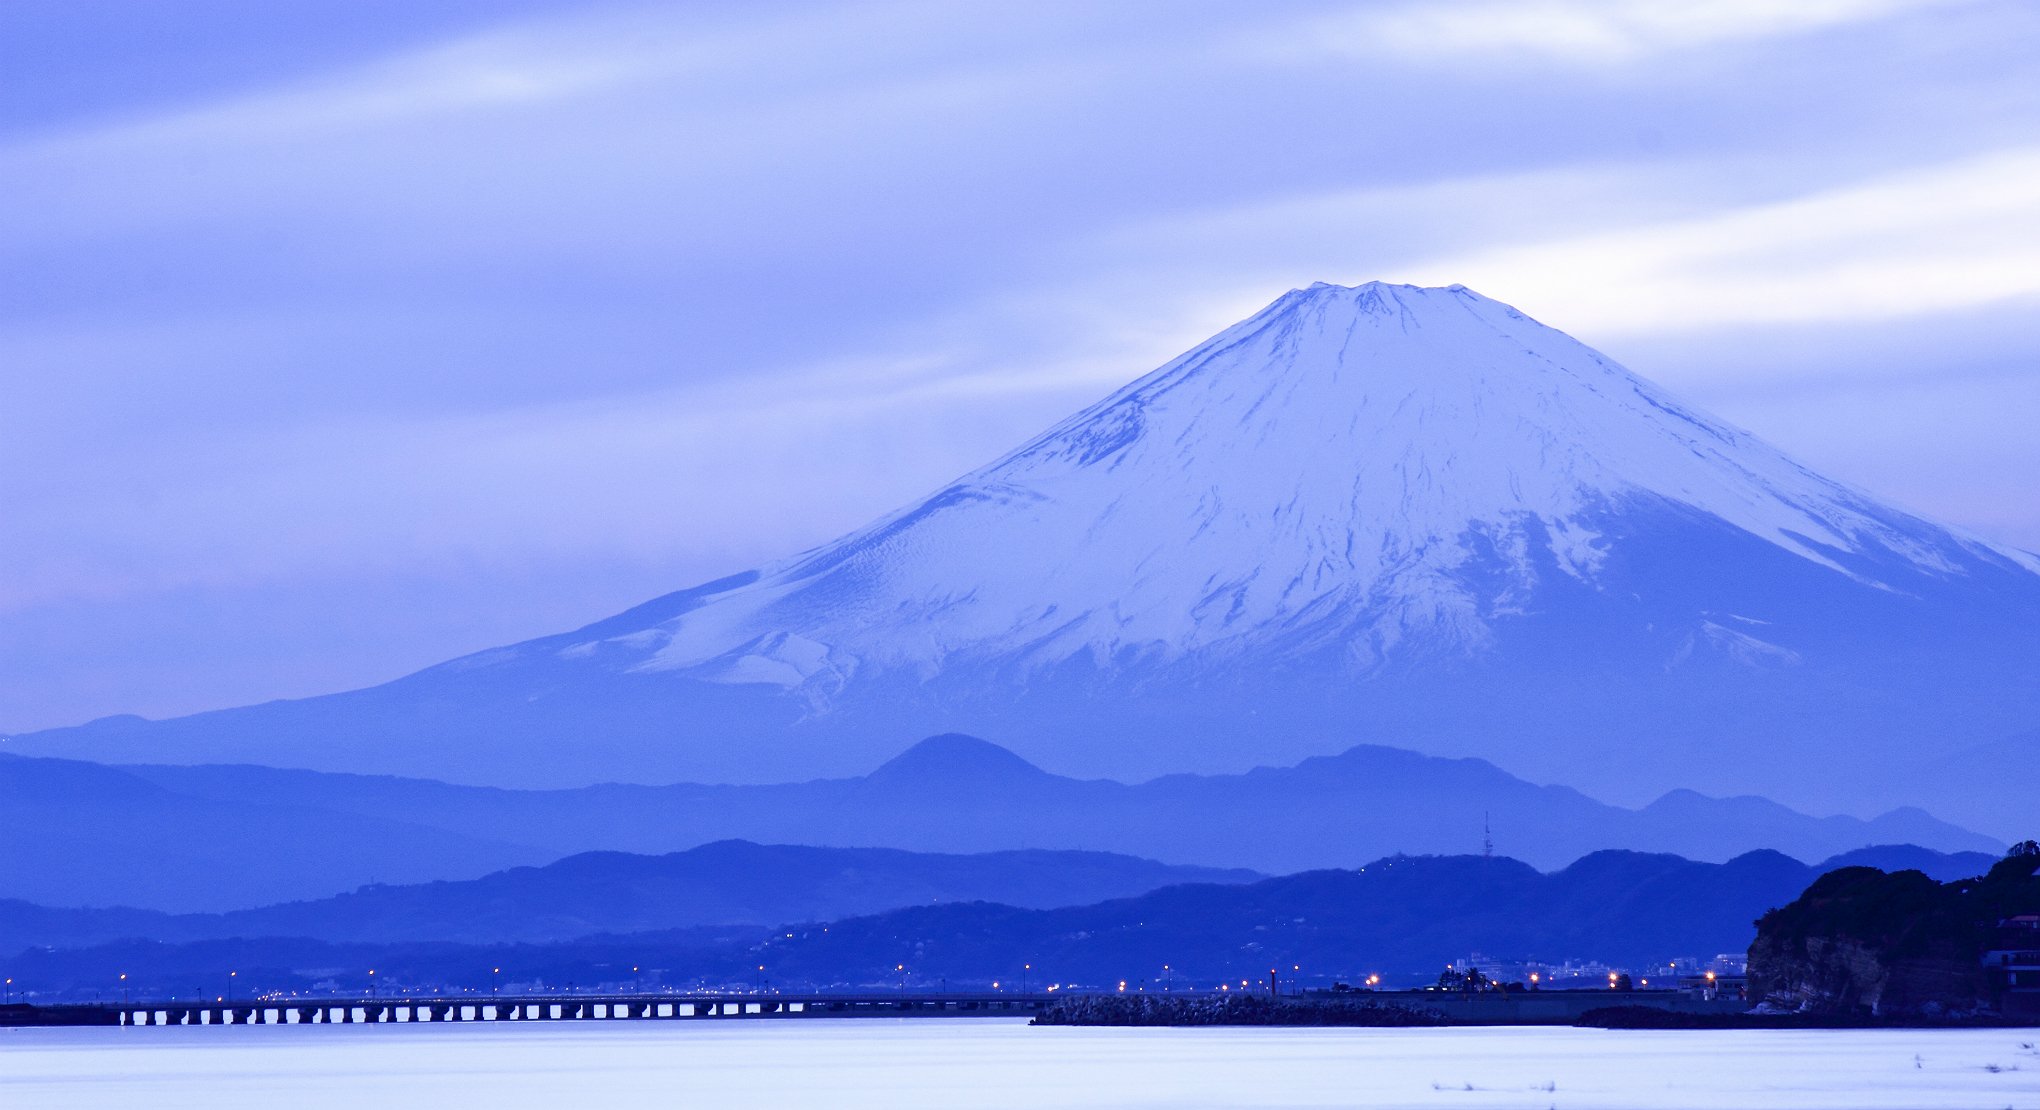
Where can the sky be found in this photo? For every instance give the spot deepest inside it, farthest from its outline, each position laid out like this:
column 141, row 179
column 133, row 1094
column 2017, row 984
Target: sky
column 341, row 337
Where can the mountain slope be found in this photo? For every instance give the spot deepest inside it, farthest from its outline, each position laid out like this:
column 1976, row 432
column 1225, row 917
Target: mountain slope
column 81, row 834
column 958, row 794
column 1401, row 916
column 729, row 882
column 1379, row 513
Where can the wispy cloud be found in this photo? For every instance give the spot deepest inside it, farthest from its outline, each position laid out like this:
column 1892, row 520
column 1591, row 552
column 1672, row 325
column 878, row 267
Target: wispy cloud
column 1593, row 31
column 1933, row 240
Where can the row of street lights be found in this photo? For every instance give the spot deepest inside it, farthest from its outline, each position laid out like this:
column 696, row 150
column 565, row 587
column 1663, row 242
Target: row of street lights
column 899, row 969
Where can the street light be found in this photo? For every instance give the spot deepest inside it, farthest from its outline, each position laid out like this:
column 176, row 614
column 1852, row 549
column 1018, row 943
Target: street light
column 230, row 986
column 493, row 972
column 7, row 992
column 123, row 988
column 371, row 982
column 1168, row 978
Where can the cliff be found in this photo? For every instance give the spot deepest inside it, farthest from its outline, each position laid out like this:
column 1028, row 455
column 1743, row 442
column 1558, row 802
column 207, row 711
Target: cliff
column 1861, row 940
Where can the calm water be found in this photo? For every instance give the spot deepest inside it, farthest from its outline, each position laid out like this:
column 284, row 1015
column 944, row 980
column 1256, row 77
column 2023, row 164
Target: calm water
column 917, row 1063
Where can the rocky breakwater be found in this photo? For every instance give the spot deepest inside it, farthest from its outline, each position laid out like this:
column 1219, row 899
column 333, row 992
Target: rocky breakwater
column 1891, row 945
column 1151, row 1009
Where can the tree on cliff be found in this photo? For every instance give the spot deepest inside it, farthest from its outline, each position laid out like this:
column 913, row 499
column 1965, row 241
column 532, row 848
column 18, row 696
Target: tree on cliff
column 1859, row 939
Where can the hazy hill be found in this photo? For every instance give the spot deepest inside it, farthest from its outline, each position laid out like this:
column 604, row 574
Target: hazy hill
column 81, row 834
column 219, row 838
column 957, row 793
column 730, row 882
column 1397, row 916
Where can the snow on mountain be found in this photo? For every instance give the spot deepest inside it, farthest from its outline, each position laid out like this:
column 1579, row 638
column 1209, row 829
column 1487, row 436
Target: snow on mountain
column 1315, row 476
column 1384, row 514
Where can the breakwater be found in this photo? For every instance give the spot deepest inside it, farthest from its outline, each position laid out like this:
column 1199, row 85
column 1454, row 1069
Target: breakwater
column 1179, row 1010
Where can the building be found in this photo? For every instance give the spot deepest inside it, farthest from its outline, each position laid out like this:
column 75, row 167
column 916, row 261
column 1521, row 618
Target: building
column 2013, row 965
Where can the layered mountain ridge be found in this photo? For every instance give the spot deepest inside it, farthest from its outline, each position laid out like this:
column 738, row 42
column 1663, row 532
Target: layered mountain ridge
column 192, row 838
column 1400, row 916
column 1377, row 514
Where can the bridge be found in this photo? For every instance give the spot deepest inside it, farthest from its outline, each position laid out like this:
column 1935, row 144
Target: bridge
column 406, row 1010
column 1485, row 1008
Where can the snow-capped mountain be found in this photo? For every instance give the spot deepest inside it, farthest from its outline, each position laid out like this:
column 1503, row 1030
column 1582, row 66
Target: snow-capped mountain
column 1320, row 477
column 1384, row 513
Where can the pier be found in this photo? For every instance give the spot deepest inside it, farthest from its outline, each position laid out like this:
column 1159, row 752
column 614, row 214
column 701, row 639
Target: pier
column 1532, row 1008
column 661, row 1007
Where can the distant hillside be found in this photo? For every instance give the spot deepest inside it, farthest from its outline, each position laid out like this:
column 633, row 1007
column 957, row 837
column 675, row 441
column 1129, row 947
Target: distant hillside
column 299, row 834
column 730, row 882
column 1397, row 916
column 75, row 834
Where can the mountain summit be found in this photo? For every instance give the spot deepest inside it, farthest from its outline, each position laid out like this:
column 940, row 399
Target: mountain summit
column 1379, row 513
column 1368, row 471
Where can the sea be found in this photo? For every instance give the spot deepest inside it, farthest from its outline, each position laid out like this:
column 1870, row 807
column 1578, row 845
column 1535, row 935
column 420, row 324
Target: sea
column 987, row 1062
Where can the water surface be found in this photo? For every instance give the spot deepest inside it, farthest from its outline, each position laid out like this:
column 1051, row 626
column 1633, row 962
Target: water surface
column 907, row 1063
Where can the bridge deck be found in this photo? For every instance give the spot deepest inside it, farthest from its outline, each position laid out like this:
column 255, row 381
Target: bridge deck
column 337, row 1011
column 1532, row 1008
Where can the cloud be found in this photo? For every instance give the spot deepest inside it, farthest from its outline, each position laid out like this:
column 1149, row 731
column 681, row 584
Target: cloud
column 1608, row 250
column 1592, row 31
column 1930, row 240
